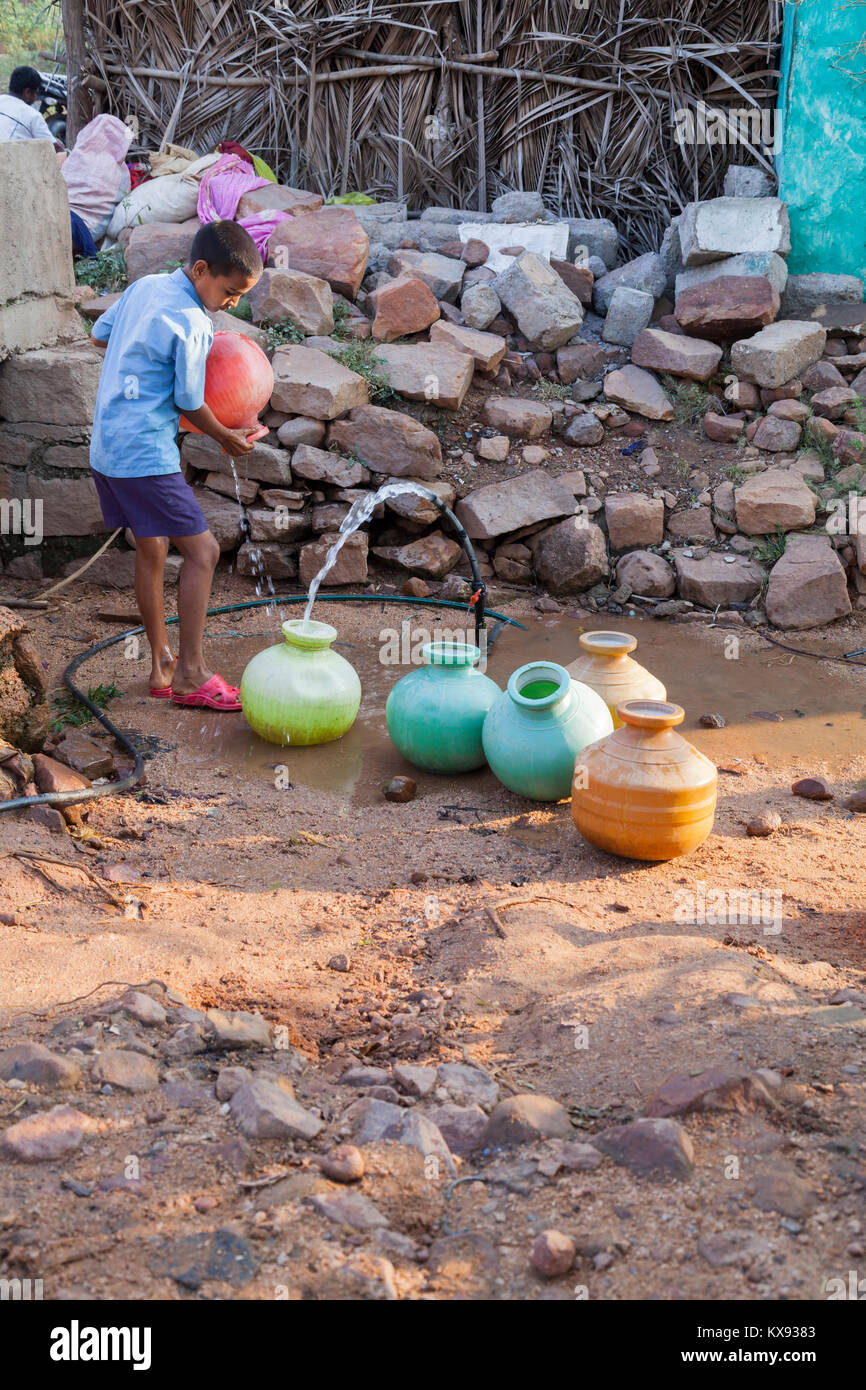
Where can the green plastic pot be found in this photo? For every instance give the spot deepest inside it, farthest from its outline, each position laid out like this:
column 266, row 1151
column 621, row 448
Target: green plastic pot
column 535, row 730
column 300, row 692
column 435, row 713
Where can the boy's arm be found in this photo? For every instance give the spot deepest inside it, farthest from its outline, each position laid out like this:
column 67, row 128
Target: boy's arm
column 233, row 442
column 99, row 343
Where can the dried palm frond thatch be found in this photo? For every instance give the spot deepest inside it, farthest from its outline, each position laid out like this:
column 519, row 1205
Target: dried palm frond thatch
column 453, row 102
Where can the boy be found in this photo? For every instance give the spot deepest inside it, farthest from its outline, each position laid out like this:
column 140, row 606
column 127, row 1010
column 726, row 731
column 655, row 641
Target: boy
column 18, row 118
column 156, row 339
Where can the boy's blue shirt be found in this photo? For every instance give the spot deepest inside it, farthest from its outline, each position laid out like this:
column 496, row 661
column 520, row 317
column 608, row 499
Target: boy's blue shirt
column 159, row 336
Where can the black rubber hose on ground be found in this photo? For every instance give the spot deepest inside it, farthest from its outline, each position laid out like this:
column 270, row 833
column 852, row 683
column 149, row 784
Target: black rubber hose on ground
column 75, row 798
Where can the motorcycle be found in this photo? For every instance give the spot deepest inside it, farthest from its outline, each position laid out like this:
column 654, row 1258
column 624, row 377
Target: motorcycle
column 52, row 103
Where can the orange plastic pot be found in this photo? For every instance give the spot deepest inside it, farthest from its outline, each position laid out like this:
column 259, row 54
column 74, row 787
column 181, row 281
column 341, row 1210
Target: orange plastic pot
column 644, row 792
column 238, row 383
column 607, row 668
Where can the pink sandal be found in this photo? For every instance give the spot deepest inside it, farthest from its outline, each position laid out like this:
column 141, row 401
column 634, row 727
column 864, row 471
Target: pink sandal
column 160, row 692
column 214, row 694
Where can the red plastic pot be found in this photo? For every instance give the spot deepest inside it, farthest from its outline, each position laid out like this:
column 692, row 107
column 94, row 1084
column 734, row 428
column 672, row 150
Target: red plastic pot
column 239, row 382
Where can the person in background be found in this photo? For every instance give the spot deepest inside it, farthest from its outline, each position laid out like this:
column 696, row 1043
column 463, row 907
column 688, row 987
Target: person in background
column 18, row 118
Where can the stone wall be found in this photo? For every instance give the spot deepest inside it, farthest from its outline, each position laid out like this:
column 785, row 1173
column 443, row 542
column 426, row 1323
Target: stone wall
column 36, row 279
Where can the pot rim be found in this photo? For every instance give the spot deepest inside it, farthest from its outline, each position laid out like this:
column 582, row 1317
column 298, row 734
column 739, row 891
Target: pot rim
column 606, row 642
column 654, row 715
column 315, row 636
column 538, row 671
column 450, row 653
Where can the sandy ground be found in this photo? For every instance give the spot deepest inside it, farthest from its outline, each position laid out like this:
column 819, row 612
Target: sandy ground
column 236, row 892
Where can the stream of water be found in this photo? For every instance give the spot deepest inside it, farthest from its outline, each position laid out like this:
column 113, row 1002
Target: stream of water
column 358, row 513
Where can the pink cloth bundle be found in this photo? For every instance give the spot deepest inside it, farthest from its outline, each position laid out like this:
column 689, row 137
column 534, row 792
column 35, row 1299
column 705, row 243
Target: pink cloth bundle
column 220, row 191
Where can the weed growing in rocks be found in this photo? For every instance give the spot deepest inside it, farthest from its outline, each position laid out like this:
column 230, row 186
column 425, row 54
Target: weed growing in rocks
column 341, row 317
column 553, row 390
column 286, row 331
column 359, row 355
column 734, row 473
column 104, row 271
column 689, row 400
column 70, row 710
column 824, row 450
column 771, row 548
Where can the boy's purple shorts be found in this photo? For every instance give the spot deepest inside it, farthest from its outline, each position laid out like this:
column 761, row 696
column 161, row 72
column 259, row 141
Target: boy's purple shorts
column 160, row 505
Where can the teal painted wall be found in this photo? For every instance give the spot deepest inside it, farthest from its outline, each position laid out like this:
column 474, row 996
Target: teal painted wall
column 821, row 135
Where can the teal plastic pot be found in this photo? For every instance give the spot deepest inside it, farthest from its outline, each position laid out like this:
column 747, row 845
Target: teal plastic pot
column 300, row 692
column 435, row 713
column 535, row 730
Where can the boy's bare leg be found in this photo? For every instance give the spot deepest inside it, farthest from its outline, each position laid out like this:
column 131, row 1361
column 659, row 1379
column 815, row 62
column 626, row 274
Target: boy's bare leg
column 150, row 553
column 200, row 554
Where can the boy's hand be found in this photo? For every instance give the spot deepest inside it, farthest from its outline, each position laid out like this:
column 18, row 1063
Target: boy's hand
column 235, row 442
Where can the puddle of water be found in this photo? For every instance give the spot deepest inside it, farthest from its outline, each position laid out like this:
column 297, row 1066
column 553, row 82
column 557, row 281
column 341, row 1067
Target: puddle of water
column 823, row 707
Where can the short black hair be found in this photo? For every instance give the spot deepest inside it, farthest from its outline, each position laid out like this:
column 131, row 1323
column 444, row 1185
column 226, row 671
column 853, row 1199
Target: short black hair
column 225, row 247
column 24, row 79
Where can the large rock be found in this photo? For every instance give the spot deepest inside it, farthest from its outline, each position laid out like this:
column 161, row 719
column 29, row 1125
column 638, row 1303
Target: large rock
column 765, row 264
column 55, row 385
column 637, row 390
column 725, row 226
column 70, row 506
column 223, row 517
column 479, row 305
column 486, row 349
column 694, row 358
column 309, row 382
column 427, row 372
column 441, row 274
column 629, row 312
column 518, row 207
column 351, row 565
column 650, row 1148
column 24, row 712
column 646, row 574
column 806, row 293
column 731, row 306
column 329, row 243
column 578, row 278
column 524, row 1119
column 746, row 181
column 647, row 274
column 280, row 197
column 322, row 466
column 265, row 464
column 291, row 294
column 593, row 236
column 584, row 430
column 154, row 247
column 775, row 498
column 633, row 519
column 717, row 581
column 728, row 1088
column 517, row 418
column 807, row 584
column 776, row 435
column 388, row 442
column 580, row 362
column 405, row 305
column 571, row 556
column 419, row 509
column 779, row 352
column 547, row 312
column 525, row 500
column 432, row 556
column 264, row 1110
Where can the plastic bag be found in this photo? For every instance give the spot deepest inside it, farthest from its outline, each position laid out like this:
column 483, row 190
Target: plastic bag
column 95, row 173
column 171, row 198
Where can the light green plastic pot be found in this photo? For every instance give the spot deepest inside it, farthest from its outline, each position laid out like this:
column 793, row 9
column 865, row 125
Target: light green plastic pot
column 435, row 713
column 300, row 692
column 535, row 730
